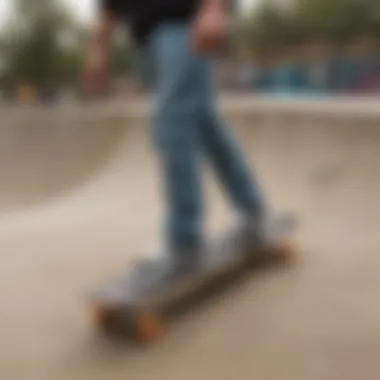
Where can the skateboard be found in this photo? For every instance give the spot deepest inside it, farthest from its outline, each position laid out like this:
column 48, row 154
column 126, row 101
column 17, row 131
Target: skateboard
column 121, row 309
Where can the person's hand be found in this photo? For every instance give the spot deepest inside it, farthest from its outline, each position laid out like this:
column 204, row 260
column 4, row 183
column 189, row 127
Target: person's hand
column 210, row 28
column 95, row 72
column 95, row 64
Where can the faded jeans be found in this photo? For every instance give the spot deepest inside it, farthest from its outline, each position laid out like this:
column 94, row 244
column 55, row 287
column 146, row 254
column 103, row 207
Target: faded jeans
column 186, row 128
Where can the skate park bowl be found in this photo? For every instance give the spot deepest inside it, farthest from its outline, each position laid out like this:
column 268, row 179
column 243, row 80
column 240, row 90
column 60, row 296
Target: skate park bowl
column 80, row 198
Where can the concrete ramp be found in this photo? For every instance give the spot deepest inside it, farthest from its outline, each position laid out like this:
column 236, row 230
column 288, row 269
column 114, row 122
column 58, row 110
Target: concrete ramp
column 80, row 198
column 45, row 156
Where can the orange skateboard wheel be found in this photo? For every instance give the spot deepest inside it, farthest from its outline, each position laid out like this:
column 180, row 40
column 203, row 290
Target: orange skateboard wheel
column 285, row 250
column 148, row 328
column 102, row 316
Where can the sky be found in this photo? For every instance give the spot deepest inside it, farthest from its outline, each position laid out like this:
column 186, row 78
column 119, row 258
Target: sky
column 83, row 8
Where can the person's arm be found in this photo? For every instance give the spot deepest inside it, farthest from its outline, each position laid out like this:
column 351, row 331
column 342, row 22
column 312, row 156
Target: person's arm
column 101, row 37
column 224, row 6
column 210, row 25
column 96, row 57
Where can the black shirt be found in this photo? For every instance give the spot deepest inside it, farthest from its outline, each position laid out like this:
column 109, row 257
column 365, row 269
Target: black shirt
column 144, row 15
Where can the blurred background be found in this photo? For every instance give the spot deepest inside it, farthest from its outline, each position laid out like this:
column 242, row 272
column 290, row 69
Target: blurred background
column 278, row 46
column 80, row 196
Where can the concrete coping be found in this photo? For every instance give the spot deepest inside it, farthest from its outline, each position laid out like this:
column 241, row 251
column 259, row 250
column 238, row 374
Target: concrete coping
column 332, row 108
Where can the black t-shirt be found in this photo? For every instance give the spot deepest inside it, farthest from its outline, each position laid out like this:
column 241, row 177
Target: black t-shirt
column 144, row 15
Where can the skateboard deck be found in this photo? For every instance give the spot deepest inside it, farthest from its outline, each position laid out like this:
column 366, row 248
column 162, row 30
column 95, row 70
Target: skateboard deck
column 122, row 309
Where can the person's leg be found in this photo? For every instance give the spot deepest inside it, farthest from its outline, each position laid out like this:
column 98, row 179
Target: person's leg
column 240, row 184
column 185, row 122
column 181, row 79
column 226, row 156
column 229, row 163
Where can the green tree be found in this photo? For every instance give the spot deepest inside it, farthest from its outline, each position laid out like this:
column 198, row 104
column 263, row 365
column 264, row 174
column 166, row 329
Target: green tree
column 269, row 28
column 34, row 41
column 336, row 21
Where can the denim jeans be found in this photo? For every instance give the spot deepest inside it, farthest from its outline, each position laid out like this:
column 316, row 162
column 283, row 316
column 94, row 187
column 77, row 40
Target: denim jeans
column 186, row 128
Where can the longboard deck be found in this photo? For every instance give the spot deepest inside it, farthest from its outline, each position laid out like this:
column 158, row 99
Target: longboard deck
column 120, row 309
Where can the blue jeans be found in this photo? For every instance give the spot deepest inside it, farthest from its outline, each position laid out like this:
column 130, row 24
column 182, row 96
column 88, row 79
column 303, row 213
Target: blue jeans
column 186, row 127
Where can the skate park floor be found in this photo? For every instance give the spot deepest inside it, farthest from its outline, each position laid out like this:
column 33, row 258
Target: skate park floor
column 80, row 199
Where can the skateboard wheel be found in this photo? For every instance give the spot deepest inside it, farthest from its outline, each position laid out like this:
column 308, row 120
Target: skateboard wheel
column 148, row 328
column 102, row 317
column 284, row 251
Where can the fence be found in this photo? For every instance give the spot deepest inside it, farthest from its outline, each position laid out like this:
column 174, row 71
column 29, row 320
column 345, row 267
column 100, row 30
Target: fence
column 334, row 75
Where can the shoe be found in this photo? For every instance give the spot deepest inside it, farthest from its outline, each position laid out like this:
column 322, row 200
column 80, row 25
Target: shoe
column 246, row 232
column 152, row 275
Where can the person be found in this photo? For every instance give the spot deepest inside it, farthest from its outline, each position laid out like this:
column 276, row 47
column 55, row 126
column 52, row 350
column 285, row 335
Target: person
column 182, row 37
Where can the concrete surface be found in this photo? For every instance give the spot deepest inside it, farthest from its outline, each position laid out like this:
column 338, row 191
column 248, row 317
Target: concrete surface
column 79, row 198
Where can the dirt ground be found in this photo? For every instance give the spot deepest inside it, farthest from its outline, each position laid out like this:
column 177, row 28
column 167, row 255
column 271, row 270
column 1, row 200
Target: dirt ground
column 319, row 319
